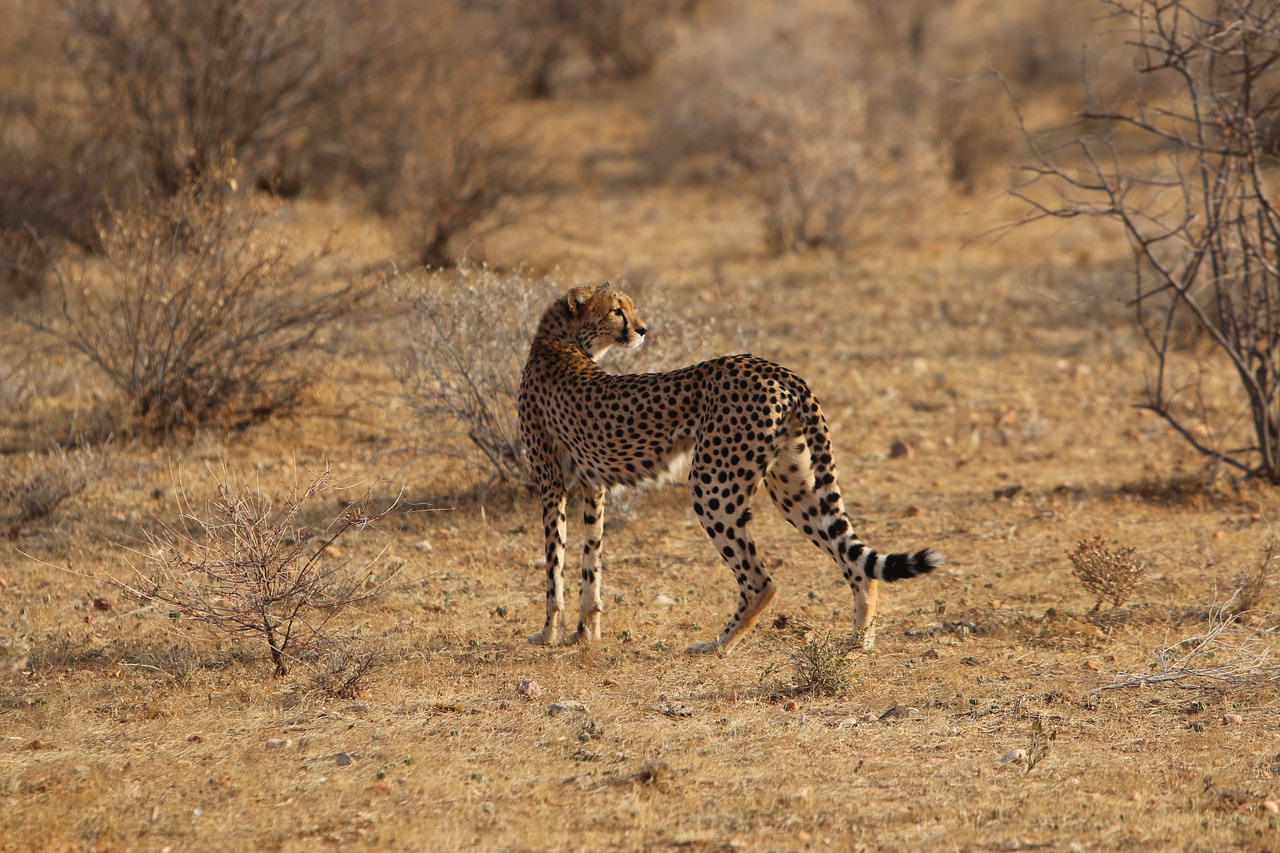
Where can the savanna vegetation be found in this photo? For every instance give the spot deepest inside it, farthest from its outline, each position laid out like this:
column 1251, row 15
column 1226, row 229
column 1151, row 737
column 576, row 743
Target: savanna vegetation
column 268, row 270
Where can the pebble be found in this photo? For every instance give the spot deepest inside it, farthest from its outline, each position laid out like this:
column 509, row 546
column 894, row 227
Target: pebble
column 1232, row 719
column 563, row 707
column 900, row 712
column 1271, row 807
column 343, row 759
column 1017, row 755
column 900, row 450
column 528, row 687
column 277, row 743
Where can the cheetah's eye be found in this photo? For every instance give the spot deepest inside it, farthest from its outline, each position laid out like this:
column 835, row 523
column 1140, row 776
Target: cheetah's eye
column 618, row 311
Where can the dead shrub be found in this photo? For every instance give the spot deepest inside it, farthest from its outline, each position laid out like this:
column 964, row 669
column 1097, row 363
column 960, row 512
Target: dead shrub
column 247, row 565
column 827, row 138
column 55, row 172
column 202, row 316
column 428, row 146
column 40, row 483
column 469, row 335
column 1251, row 588
column 620, row 39
column 1106, row 573
column 192, row 79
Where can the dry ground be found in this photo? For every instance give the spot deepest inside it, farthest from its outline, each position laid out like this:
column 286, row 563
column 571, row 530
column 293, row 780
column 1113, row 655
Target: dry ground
column 999, row 364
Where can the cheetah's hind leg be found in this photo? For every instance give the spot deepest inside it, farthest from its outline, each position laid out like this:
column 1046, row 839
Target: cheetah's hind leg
column 553, row 521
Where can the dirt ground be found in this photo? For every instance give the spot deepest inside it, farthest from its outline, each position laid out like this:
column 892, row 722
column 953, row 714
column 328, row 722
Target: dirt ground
column 1004, row 369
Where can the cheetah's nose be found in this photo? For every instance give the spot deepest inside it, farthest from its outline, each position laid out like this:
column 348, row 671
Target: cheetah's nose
column 640, row 330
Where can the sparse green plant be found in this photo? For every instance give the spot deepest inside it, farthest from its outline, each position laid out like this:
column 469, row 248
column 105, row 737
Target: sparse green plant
column 203, row 317
column 1109, row 574
column 821, row 665
column 1039, row 743
column 248, row 565
column 40, row 483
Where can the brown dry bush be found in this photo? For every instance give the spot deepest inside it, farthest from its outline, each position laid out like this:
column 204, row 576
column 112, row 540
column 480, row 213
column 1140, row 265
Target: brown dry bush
column 426, row 143
column 469, row 336
column 621, row 39
column 40, row 483
column 1180, row 165
column 202, row 317
column 1108, row 574
column 824, row 137
column 190, row 80
column 248, row 565
column 55, row 171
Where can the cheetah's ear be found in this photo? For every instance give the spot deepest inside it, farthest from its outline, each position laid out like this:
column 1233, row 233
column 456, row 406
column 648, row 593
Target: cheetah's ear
column 608, row 285
column 578, row 297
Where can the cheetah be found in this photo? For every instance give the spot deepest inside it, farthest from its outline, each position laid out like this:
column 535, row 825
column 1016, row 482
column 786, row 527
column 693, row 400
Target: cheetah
column 738, row 421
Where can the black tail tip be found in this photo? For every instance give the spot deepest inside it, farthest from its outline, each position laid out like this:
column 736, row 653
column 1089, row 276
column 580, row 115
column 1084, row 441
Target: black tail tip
column 900, row 566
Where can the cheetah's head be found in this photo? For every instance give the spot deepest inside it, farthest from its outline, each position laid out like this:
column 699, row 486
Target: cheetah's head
column 602, row 317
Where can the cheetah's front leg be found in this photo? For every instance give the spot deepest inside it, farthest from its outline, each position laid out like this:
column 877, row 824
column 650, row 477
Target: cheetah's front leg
column 553, row 525
column 590, row 602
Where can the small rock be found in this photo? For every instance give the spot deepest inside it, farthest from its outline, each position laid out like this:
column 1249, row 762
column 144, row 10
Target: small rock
column 900, row 450
column 38, row 743
column 791, row 705
column 424, row 545
column 1092, row 665
column 900, row 712
column 913, row 511
column 663, row 600
column 102, row 602
column 931, row 654
column 343, row 759
column 528, row 687
column 195, row 737
column 1016, row 755
column 277, row 743
column 1271, row 807
column 1232, row 719
column 610, row 682
column 1006, row 492
column 332, row 551
column 556, row 708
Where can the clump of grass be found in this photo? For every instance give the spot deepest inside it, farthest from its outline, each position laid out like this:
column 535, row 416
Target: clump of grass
column 821, row 666
column 1251, row 588
column 1108, row 574
column 38, row 485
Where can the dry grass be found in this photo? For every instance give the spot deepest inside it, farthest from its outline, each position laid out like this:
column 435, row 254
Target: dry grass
column 1000, row 367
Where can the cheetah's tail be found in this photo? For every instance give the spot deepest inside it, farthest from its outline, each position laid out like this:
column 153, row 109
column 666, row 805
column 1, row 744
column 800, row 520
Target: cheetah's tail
column 895, row 567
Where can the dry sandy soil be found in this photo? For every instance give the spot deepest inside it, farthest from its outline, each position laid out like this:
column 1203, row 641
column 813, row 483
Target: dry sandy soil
column 1007, row 368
